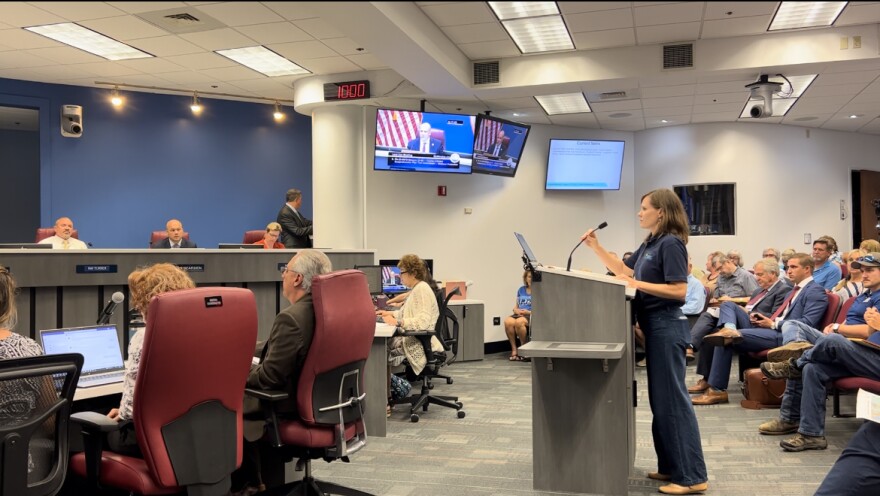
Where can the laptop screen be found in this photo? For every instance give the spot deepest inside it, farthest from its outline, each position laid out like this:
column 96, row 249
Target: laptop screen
column 526, row 249
column 99, row 345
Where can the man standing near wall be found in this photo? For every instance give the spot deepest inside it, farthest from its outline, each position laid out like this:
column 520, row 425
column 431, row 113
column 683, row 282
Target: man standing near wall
column 295, row 229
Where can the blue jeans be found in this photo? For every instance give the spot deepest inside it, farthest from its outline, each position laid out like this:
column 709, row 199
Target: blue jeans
column 675, row 429
column 753, row 340
column 793, row 330
column 731, row 313
column 833, row 357
column 857, row 471
column 705, row 324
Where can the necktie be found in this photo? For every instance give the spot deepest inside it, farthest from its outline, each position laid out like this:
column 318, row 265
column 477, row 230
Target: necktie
column 65, row 244
column 758, row 297
column 175, row 245
column 424, row 146
column 782, row 308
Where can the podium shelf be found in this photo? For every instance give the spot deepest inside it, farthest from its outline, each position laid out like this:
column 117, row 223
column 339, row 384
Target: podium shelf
column 581, row 350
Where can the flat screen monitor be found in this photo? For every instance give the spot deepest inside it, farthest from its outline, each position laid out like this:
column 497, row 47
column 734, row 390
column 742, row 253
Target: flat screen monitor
column 530, row 255
column 584, row 164
column 374, row 277
column 26, row 246
column 498, row 146
column 423, row 141
column 391, row 283
column 239, row 246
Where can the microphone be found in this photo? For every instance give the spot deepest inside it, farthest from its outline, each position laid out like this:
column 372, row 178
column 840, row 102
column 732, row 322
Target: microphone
column 568, row 267
column 116, row 299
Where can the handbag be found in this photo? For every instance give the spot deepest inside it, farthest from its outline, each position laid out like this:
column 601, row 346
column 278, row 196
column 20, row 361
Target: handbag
column 760, row 392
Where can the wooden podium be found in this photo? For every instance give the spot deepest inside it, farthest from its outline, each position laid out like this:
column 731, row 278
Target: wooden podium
column 583, row 388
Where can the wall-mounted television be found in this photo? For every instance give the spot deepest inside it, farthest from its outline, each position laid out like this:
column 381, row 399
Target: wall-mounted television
column 584, row 164
column 498, row 145
column 423, row 141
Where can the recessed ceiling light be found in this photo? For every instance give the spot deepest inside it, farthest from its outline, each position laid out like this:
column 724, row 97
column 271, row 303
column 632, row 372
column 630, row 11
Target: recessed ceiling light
column 664, row 121
column 571, row 103
column 91, row 41
column 517, row 10
column 797, row 15
column 854, row 116
column 263, row 60
column 539, row 34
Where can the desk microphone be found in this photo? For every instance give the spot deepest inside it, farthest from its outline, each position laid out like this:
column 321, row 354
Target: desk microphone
column 568, row 267
column 116, row 299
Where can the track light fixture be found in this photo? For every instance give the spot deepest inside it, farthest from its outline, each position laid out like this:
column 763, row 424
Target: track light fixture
column 196, row 106
column 115, row 99
column 279, row 115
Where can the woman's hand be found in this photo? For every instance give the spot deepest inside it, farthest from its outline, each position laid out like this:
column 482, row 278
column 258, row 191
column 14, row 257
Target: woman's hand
column 630, row 282
column 389, row 319
column 589, row 238
column 382, row 313
column 114, row 415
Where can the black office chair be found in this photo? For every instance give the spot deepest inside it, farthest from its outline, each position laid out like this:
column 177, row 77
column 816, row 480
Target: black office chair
column 35, row 399
column 446, row 330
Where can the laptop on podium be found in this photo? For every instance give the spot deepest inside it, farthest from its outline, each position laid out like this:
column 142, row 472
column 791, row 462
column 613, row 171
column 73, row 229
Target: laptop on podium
column 98, row 344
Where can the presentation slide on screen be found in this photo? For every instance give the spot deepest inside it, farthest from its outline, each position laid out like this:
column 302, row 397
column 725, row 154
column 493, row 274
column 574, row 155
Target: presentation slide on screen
column 584, row 164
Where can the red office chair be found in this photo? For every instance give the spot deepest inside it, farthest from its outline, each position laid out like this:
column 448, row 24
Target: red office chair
column 188, row 398
column 329, row 389
column 48, row 232
column 439, row 134
column 251, row 237
column 157, row 236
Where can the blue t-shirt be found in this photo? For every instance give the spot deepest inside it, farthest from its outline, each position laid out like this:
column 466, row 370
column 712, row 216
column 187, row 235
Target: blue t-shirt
column 523, row 299
column 827, row 275
column 864, row 301
column 661, row 259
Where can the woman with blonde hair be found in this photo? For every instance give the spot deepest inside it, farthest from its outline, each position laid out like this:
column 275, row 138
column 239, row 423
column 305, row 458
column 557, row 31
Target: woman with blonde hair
column 270, row 239
column 850, row 285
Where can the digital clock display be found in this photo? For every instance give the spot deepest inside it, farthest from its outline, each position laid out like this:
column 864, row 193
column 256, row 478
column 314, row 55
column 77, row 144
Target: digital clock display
column 348, row 90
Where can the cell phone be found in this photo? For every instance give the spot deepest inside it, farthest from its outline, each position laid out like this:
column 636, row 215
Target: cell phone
column 755, row 316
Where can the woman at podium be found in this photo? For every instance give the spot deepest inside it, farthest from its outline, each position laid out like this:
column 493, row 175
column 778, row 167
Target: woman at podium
column 658, row 272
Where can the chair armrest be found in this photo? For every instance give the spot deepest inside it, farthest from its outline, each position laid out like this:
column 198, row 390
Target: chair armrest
column 266, row 394
column 94, row 422
column 268, row 398
column 95, row 427
column 400, row 332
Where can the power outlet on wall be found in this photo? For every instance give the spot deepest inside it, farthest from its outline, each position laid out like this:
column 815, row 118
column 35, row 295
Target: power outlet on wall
column 496, row 320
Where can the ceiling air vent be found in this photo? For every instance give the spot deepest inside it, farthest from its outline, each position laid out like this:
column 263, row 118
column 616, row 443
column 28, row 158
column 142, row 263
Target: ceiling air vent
column 611, row 95
column 678, row 56
column 486, row 73
column 181, row 20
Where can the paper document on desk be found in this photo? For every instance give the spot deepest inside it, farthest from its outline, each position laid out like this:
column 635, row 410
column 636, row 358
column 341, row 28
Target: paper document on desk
column 713, row 311
column 868, row 406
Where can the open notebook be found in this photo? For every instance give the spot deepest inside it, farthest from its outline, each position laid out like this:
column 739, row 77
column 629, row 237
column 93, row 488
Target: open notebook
column 99, row 345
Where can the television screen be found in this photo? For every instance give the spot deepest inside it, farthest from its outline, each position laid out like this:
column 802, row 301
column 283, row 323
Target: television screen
column 423, row 141
column 498, row 145
column 391, row 283
column 584, row 164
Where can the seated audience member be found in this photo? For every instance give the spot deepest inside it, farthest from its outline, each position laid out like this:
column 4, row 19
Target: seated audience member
column 270, row 239
column 850, row 285
column 833, row 357
column 282, row 357
column 736, row 256
column 517, row 324
column 17, row 398
column 765, row 301
column 826, row 273
column 835, row 255
column 143, row 284
column 62, row 239
column 175, row 237
column 857, row 471
column 797, row 336
column 419, row 312
column 713, row 265
column 806, row 302
column 770, row 253
column 695, row 299
column 870, row 246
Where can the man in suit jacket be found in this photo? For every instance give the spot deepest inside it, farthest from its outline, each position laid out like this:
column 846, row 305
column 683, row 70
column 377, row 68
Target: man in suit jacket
column 770, row 294
column 499, row 147
column 175, row 237
column 806, row 303
column 295, row 229
column 425, row 143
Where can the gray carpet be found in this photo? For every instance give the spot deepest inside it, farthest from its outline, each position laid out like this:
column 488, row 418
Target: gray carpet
column 489, row 451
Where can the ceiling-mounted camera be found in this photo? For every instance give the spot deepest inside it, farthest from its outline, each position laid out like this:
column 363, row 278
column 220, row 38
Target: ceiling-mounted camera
column 762, row 89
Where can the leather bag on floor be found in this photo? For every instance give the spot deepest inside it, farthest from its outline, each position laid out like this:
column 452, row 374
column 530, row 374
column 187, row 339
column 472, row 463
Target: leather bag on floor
column 760, row 392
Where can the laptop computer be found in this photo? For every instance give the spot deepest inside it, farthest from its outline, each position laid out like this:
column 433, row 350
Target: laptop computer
column 98, row 344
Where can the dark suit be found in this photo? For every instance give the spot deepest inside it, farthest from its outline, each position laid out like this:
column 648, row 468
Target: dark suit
column 433, row 146
column 295, row 228
column 502, row 153
column 166, row 243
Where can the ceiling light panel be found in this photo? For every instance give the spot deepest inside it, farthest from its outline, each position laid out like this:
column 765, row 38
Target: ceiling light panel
column 518, row 10
column 263, row 60
column 799, row 84
column 796, row 15
column 88, row 40
column 539, row 34
column 571, row 103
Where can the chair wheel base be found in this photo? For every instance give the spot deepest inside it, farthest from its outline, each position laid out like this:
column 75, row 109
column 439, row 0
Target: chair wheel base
column 461, row 414
column 414, row 418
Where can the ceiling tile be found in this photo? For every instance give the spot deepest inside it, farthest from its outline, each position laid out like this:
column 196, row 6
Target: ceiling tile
column 140, row 7
column 826, row 99
column 859, row 14
column 719, row 10
column 862, row 108
column 276, row 32
column 677, row 101
column 607, row 116
column 20, row 14
column 667, row 91
column 199, row 61
column 616, row 106
column 344, row 46
column 367, row 61
column 813, row 120
column 124, row 28
column 454, row 14
column 843, row 123
column 22, row 58
column 674, row 13
column 66, row 55
column 668, row 112
column 187, row 77
column 319, row 28
column 302, row 50
column 236, row 73
column 148, row 80
column 714, row 117
column 802, row 108
column 79, row 11
column 108, row 69
column 740, row 26
column 604, row 39
column 667, row 33
column 266, row 87
column 837, row 89
column 837, row 78
column 330, row 65
column 669, row 78
column 489, row 50
column 579, row 120
column 166, row 46
column 475, row 33
column 512, row 103
column 21, row 39
column 219, row 39
column 576, row 7
column 715, row 98
column 291, row 11
column 724, row 87
column 734, row 108
column 152, row 66
column 240, row 13
column 599, row 21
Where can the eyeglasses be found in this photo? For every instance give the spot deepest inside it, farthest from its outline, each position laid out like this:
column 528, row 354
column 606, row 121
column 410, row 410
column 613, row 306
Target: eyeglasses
column 404, row 272
column 284, row 269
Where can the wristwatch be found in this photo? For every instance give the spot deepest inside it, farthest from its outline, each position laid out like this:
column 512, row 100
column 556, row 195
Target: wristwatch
column 835, row 328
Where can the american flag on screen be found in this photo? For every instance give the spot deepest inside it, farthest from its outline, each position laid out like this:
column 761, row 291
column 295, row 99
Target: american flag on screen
column 488, row 131
column 397, row 127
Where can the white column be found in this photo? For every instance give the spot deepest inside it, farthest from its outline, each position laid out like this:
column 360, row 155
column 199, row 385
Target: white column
column 338, row 190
